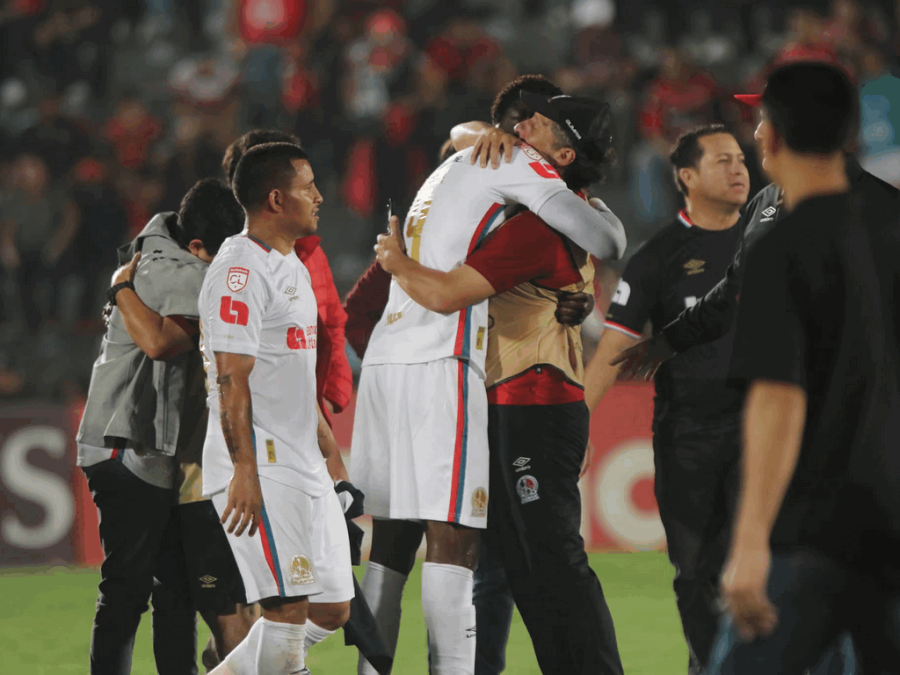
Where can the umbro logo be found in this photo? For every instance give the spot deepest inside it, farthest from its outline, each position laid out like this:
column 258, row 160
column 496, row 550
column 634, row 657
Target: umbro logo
column 522, row 464
column 208, row 581
column 769, row 212
column 694, row 266
column 290, row 290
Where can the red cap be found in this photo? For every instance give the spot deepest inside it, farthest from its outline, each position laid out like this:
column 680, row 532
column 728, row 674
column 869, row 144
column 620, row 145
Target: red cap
column 750, row 99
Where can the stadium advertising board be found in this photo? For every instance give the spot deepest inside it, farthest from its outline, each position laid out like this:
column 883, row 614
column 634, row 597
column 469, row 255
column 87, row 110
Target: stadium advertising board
column 38, row 512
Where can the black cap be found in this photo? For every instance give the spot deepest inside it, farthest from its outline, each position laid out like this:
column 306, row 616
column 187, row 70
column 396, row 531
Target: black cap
column 814, row 105
column 585, row 120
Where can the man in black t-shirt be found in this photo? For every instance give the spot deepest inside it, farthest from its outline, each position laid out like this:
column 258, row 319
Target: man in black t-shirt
column 696, row 414
column 816, row 547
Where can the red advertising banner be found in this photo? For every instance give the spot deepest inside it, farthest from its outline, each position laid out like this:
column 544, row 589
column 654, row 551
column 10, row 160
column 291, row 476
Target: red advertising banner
column 37, row 500
column 48, row 517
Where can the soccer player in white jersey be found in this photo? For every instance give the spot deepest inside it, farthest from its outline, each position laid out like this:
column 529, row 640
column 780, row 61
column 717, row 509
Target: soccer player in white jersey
column 262, row 465
column 420, row 451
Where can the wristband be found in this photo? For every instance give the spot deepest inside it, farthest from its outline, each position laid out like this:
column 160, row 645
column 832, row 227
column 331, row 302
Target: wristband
column 111, row 293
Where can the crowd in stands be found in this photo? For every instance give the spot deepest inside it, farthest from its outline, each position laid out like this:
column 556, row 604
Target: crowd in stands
column 111, row 109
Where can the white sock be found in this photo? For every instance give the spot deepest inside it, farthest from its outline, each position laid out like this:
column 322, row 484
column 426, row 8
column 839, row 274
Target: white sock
column 314, row 635
column 450, row 617
column 242, row 659
column 280, row 648
column 383, row 590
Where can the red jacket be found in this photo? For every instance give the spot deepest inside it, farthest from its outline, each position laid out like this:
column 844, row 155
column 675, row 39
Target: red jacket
column 334, row 381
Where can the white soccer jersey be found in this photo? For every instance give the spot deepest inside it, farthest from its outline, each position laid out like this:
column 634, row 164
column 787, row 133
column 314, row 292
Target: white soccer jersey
column 258, row 302
column 454, row 210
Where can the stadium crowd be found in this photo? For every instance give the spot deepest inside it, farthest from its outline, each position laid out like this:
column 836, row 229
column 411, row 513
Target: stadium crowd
column 110, row 111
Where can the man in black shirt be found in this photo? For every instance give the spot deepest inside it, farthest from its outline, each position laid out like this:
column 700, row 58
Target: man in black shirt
column 696, row 415
column 816, row 547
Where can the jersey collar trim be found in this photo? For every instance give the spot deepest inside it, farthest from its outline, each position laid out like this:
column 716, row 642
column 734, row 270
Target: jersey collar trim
column 256, row 241
column 683, row 219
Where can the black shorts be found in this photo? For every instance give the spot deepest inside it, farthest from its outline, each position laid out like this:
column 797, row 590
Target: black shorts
column 212, row 571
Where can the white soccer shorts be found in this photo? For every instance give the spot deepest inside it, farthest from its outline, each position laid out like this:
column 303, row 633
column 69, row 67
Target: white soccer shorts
column 420, row 444
column 301, row 547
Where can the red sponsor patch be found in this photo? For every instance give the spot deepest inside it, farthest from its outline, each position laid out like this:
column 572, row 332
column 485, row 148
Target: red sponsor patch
column 300, row 338
column 237, row 278
column 233, row 311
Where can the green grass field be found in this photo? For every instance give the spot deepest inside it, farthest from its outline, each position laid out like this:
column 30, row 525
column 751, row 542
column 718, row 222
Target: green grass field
column 45, row 623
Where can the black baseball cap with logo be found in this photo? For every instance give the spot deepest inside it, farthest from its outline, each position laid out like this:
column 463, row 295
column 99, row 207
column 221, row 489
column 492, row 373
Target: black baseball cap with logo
column 586, row 121
column 813, row 105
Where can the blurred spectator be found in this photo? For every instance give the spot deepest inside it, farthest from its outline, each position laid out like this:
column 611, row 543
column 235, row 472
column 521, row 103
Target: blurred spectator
column 879, row 127
column 194, row 155
column 389, row 86
column 207, row 89
column 37, row 226
column 679, row 98
column 132, row 131
column 55, row 136
column 102, row 224
column 704, row 45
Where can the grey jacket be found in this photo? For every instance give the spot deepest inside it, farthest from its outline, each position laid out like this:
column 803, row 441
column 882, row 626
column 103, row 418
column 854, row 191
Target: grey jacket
column 134, row 401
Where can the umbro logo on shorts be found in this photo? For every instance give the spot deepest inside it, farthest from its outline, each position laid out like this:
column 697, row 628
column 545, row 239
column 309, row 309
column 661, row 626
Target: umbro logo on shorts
column 208, row 581
column 522, row 464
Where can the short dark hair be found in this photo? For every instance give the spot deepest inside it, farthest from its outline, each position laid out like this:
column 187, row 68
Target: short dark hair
column 688, row 150
column 209, row 212
column 262, row 169
column 509, row 95
column 592, row 161
column 251, row 139
column 813, row 106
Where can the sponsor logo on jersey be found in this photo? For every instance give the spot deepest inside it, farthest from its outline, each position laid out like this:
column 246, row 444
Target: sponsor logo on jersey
column 208, row 581
column 527, row 487
column 479, row 503
column 301, row 338
column 233, row 311
column 290, row 290
column 237, row 279
column 394, row 317
column 270, row 450
column 301, row 571
column 769, row 212
column 694, row 266
column 623, row 292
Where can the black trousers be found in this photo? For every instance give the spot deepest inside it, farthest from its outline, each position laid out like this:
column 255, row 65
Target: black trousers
column 144, row 558
column 696, row 485
column 535, row 515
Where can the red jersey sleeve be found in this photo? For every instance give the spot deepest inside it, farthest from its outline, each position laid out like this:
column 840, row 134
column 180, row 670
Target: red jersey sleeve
column 364, row 305
column 524, row 249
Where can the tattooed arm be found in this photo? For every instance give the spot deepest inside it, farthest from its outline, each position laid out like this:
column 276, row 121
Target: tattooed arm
column 236, row 416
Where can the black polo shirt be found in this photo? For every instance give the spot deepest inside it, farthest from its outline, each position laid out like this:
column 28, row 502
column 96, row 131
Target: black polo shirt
column 817, row 312
column 713, row 315
column 679, row 265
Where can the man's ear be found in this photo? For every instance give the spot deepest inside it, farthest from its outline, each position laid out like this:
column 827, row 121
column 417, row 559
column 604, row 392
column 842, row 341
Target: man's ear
column 564, row 156
column 686, row 174
column 275, row 203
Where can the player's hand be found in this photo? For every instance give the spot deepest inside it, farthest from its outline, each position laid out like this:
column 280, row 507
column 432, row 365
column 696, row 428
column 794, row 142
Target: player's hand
column 644, row 359
column 390, row 249
column 351, row 499
column 573, row 308
column 744, row 594
column 492, row 145
column 244, row 501
column 126, row 272
column 588, row 458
